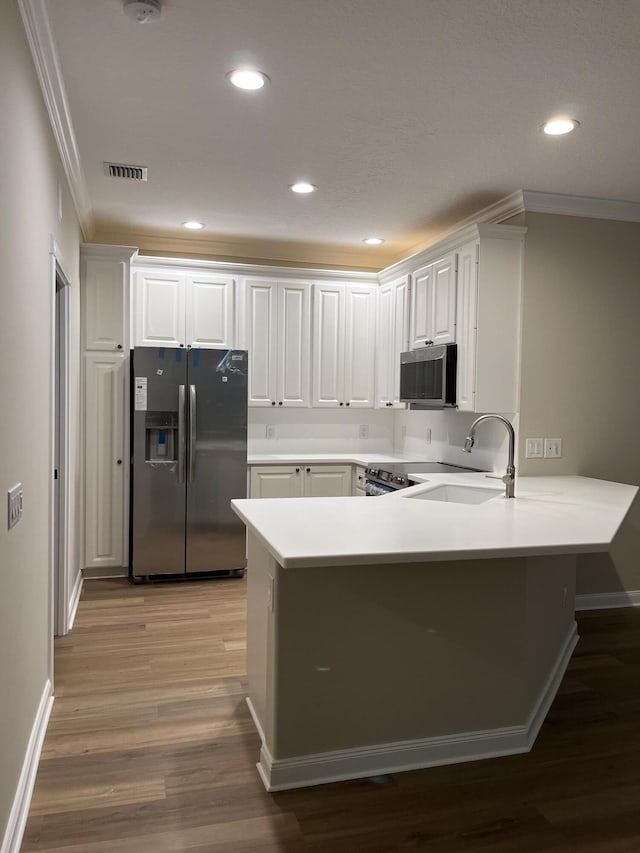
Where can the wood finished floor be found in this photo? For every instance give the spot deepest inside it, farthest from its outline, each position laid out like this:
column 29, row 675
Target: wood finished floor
column 151, row 748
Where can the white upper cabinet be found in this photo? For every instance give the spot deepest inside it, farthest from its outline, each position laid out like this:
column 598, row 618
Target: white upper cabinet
column 359, row 346
column 392, row 339
column 209, row 310
column 105, row 296
column 343, row 345
column 433, row 308
column 160, row 309
column 184, row 308
column 488, row 318
column 277, row 319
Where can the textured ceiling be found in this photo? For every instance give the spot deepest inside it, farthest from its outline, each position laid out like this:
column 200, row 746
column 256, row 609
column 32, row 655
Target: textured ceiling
column 409, row 115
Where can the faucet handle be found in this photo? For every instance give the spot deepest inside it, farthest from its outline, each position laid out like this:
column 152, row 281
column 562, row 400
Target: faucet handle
column 506, row 478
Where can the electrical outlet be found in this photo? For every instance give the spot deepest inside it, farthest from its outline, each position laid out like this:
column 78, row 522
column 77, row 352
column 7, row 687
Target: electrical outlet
column 363, row 431
column 552, row 448
column 271, row 430
column 534, row 448
column 427, row 435
column 14, row 505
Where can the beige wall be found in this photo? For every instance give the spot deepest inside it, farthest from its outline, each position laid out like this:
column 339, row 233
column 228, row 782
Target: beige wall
column 30, row 172
column 580, row 359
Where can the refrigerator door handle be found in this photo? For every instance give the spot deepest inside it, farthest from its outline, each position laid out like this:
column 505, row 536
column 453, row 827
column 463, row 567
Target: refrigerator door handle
column 181, row 434
column 192, row 433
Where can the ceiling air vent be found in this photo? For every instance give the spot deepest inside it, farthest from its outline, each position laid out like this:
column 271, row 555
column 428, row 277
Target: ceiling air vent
column 125, row 170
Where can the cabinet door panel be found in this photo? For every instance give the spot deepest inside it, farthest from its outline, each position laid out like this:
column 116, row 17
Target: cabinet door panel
column 210, row 302
column 421, row 306
column 293, row 344
column 160, row 315
column 261, row 327
column 327, row 481
column 466, row 326
column 385, row 350
column 104, row 303
column 359, row 353
column 443, row 303
column 276, row 481
column 104, row 477
column 328, row 340
column 400, row 339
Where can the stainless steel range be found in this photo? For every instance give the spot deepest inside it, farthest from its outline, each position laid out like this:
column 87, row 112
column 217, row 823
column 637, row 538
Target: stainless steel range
column 393, row 476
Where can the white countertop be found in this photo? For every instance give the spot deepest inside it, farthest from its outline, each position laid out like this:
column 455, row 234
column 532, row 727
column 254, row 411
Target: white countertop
column 549, row 515
column 353, row 458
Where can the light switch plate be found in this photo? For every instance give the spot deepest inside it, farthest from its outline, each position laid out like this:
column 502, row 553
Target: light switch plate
column 552, row 448
column 271, row 430
column 363, row 431
column 534, row 448
column 14, row 505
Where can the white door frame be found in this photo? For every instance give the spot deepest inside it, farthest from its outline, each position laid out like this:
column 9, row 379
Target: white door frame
column 59, row 520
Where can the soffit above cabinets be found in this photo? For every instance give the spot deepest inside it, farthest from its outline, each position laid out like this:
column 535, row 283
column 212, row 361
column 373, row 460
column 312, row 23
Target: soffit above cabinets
column 408, row 116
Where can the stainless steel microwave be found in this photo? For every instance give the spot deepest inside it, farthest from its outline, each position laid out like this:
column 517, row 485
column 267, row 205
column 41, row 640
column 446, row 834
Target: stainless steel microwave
column 428, row 377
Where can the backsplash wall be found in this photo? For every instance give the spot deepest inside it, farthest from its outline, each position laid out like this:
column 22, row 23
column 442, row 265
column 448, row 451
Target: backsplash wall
column 449, row 428
column 319, row 430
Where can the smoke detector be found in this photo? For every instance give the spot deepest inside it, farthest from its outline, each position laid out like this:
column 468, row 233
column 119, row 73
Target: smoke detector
column 142, row 10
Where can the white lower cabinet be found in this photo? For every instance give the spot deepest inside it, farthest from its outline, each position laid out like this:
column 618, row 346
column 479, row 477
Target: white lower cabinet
column 326, row 481
column 276, row 481
column 296, row 481
column 359, row 481
column 104, row 398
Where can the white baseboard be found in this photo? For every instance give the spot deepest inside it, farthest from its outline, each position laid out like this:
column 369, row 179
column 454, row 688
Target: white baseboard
column 74, row 600
column 22, row 800
column 605, row 600
column 380, row 759
column 104, row 572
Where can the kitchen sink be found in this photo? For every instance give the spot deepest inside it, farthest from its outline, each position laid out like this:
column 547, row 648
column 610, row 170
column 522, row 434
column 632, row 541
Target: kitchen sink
column 457, row 494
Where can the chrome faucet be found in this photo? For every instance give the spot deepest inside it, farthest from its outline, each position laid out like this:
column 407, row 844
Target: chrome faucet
column 509, row 478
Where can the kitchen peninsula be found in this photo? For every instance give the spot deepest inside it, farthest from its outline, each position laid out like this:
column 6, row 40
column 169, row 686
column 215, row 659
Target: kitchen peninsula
column 403, row 632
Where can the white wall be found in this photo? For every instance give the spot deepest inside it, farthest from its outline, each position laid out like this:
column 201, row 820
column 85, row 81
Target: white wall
column 30, row 173
column 580, row 358
column 448, row 432
column 319, row 430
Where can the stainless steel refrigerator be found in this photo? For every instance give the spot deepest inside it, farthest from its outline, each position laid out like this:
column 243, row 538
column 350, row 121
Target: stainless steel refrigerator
column 188, row 460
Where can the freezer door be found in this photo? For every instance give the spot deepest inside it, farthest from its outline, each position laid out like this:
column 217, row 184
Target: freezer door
column 158, row 461
column 217, row 458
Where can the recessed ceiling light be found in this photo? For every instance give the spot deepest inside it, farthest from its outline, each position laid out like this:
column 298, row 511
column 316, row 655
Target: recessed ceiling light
column 373, row 241
column 192, row 225
column 560, row 126
column 302, row 187
column 247, row 78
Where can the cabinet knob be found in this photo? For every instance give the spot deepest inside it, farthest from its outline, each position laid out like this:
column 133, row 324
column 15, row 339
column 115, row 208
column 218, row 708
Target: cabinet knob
column 119, row 346
column 273, row 402
column 348, row 404
column 119, row 461
column 297, row 470
column 342, row 404
column 280, row 403
column 182, row 345
column 308, row 470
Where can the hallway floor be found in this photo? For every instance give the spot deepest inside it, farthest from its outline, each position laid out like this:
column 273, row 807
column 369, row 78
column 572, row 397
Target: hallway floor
column 151, row 748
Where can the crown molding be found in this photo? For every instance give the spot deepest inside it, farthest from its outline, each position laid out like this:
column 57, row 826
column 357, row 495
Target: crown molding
column 462, row 232
column 145, row 262
column 101, row 250
column 576, row 205
column 45, row 58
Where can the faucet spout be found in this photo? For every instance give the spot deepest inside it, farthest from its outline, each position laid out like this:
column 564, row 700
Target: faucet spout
column 509, row 478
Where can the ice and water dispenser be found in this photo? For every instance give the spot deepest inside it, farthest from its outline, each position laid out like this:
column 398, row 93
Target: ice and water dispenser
column 161, row 437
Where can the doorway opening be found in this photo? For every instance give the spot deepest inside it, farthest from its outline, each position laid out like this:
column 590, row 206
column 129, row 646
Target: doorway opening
column 60, row 450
